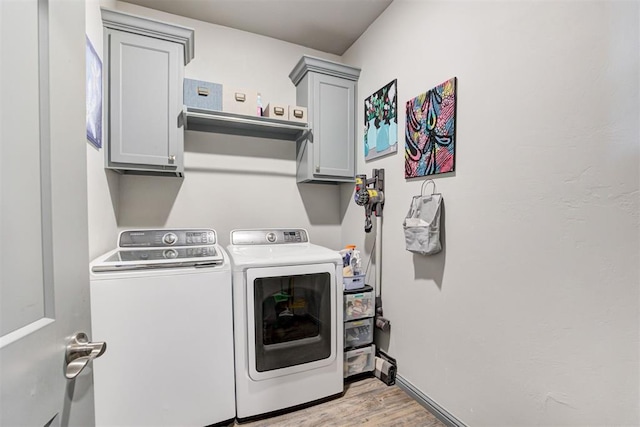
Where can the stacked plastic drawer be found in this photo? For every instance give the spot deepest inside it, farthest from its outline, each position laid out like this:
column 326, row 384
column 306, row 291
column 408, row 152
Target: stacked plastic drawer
column 359, row 311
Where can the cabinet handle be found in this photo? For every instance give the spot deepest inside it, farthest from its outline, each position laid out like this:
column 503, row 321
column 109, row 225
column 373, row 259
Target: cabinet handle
column 317, row 168
column 203, row 91
column 240, row 97
column 182, row 117
column 278, row 111
column 298, row 114
column 172, row 158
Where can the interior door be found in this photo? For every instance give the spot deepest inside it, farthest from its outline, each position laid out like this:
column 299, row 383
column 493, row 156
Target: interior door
column 44, row 283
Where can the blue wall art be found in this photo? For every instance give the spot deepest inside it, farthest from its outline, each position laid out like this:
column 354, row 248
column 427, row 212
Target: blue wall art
column 94, row 96
column 381, row 122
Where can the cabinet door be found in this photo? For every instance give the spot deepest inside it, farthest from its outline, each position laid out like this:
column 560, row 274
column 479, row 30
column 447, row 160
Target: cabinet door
column 333, row 126
column 145, row 100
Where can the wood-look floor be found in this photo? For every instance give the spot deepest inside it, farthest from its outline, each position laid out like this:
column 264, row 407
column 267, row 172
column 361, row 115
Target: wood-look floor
column 367, row 402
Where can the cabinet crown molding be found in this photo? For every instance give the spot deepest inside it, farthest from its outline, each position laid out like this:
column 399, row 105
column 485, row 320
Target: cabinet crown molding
column 122, row 21
column 323, row 66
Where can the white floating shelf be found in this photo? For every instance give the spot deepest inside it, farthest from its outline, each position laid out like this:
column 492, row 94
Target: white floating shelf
column 237, row 124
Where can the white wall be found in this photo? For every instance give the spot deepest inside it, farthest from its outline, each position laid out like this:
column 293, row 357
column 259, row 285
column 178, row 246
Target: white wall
column 233, row 182
column 530, row 315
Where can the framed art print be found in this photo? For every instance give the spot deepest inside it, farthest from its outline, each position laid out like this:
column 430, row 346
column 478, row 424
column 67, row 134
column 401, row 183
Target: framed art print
column 381, row 122
column 94, row 96
column 430, row 131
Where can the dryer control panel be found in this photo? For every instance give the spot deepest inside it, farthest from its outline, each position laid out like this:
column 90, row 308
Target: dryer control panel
column 269, row 236
column 166, row 238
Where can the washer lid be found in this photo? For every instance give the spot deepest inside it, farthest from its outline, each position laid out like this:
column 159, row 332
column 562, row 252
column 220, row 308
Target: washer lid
column 144, row 259
column 164, row 248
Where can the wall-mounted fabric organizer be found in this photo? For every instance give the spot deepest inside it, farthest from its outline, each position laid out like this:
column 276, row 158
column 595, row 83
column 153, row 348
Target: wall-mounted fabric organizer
column 422, row 223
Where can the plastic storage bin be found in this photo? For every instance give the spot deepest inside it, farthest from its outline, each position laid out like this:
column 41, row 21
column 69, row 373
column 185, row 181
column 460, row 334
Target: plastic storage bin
column 358, row 333
column 353, row 282
column 359, row 304
column 202, row 95
column 359, row 360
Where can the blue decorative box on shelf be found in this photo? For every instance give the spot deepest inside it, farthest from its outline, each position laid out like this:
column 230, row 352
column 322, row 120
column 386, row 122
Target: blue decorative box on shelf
column 202, row 95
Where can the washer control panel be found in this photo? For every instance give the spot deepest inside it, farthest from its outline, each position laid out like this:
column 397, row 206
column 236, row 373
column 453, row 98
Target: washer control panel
column 269, row 236
column 166, row 238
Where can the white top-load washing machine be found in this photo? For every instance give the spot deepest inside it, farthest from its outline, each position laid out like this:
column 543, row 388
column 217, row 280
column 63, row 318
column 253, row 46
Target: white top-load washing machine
column 163, row 303
column 287, row 296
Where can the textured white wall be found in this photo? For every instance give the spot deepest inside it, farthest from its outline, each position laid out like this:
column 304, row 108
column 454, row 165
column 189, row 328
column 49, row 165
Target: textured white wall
column 530, row 315
column 230, row 181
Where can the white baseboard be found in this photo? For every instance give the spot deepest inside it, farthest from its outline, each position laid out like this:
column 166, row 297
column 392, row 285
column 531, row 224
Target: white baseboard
column 424, row 400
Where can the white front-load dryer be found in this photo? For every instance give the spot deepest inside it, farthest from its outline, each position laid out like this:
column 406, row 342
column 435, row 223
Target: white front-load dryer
column 287, row 296
column 163, row 303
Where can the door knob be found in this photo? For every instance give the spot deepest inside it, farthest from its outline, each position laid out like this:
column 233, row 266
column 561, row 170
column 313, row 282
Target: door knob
column 80, row 352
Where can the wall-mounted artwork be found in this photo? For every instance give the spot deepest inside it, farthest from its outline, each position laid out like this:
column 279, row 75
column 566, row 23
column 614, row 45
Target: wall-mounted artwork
column 381, row 122
column 94, row 96
column 430, row 131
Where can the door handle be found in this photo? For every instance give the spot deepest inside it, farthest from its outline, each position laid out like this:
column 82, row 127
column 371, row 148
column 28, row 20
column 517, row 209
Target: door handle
column 80, row 352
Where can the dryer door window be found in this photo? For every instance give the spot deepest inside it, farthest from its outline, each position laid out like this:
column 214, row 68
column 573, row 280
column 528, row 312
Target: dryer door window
column 292, row 318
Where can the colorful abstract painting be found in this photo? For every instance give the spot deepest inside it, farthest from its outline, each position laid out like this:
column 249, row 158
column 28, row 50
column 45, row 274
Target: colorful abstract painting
column 430, row 132
column 381, row 122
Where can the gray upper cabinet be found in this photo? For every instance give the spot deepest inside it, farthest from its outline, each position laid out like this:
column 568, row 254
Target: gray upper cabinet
column 144, row 69
column 328, row 90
